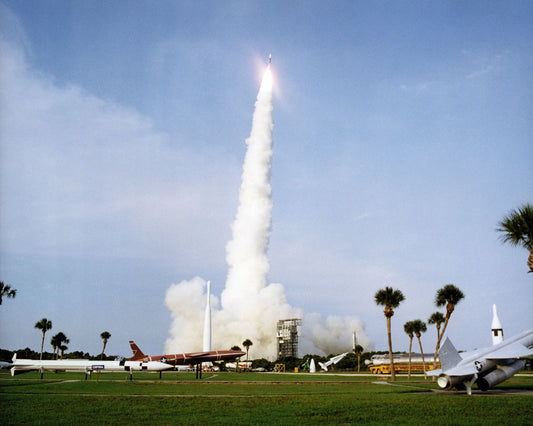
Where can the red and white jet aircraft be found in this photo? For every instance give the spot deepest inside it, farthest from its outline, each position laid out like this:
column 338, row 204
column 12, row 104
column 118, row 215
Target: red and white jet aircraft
column 193, row 358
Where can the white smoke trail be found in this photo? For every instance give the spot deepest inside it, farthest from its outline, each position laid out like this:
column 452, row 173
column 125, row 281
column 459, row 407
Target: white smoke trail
column 247, row 251
column 255, row 305
column 250, row 306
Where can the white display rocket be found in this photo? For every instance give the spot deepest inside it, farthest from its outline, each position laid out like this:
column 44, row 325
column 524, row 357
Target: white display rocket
column 207, row 320
column 496, row 328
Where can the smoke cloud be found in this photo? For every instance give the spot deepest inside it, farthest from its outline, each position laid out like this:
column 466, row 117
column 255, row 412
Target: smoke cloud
column 250, row 307
column 332, row 334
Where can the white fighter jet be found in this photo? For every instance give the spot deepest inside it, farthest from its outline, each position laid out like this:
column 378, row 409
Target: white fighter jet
column 486, row 367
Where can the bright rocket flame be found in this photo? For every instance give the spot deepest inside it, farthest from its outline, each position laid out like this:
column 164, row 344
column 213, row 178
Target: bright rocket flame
column 266, row 83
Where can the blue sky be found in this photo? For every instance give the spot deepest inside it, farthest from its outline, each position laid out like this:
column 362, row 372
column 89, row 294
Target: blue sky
column 403, row 134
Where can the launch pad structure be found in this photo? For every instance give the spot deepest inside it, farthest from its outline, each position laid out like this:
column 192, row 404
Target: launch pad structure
column 287, row 335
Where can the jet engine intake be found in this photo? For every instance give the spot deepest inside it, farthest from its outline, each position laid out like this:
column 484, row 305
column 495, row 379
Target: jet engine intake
column 447, row 382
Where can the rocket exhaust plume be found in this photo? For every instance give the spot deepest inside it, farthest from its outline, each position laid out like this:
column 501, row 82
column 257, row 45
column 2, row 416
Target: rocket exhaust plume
column 246, row 252
column 250, row 307
column 254, row 305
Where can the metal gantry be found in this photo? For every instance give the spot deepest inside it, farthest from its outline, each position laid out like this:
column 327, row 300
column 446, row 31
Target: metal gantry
column 287, row 336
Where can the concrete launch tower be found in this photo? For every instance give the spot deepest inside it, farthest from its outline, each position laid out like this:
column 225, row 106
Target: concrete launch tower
column 287, row 336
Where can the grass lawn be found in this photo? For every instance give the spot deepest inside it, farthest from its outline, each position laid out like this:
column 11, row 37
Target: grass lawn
column 255, row 398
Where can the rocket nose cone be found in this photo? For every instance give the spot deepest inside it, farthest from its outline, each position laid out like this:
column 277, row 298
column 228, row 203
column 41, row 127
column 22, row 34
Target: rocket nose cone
column 496, row 324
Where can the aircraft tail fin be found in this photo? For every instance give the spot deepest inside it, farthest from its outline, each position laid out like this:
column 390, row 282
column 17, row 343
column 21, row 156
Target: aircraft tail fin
column 15, row 372
column 137, row 353
column 448, row 355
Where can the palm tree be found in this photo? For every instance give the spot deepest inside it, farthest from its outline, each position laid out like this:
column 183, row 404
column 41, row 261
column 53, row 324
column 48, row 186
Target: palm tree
column 358, row 350
column 57, row 341
column 55, row 344
column 436, row 318
column 7, row 291
column 62, row 339
column 389, row 298
column 450, row 296
column 44, row 325
column 63, row 348
column 236, row 348
column 420, row 327
column 247, row 343
column 408, row 327
column 517, row 229
column 105, row 335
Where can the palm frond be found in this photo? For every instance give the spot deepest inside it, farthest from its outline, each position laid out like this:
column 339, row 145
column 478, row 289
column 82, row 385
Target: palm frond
column 517, row 227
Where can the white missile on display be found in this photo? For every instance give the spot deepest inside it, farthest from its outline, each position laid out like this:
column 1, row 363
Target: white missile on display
column 85, row 366
column 496, row 328
column 312, row 366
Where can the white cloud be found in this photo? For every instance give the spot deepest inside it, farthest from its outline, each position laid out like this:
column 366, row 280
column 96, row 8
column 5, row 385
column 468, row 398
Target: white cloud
column 85, row 175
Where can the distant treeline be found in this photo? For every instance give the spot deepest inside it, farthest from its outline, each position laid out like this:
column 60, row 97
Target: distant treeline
column 348, row 363
column 28, row 353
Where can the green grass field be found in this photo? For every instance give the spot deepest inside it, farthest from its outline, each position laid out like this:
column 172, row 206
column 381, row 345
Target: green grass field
column 255, row 398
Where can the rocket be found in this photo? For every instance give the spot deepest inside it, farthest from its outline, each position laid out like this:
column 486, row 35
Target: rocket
column 207, row 320
column 496, row 328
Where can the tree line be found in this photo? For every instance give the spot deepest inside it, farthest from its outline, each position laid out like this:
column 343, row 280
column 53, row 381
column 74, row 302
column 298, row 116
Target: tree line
column 58, row 341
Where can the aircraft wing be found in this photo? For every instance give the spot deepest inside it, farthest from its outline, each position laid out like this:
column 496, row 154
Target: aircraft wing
column 462, row 370
column 337, row 358
column 333, row 360
column 514, row 350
